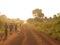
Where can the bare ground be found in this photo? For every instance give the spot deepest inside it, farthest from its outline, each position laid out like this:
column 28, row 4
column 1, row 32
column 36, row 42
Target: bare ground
column 28, row 36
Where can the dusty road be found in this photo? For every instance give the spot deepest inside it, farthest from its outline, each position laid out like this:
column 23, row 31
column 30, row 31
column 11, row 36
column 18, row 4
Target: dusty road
column 28, row 36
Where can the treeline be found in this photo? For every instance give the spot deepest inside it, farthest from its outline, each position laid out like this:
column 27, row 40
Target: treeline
column 8, row 26
column 50, row 26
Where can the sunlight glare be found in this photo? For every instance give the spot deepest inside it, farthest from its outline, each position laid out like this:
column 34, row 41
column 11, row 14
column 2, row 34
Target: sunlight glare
column 25, row 22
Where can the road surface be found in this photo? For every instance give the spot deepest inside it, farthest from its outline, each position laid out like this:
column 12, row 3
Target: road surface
column 28, row 36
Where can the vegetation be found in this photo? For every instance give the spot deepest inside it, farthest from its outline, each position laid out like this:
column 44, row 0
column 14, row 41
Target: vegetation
column 4, row 22
column 50, row 26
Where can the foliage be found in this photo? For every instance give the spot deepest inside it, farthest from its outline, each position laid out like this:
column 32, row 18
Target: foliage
column 38, row 13
column 50, row 26
column 4, row 19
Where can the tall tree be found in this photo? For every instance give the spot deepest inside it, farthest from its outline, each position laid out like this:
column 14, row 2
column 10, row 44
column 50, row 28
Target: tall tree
column 37, row 13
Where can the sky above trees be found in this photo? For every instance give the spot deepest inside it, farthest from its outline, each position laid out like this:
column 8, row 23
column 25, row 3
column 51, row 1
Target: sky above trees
column 23, row 8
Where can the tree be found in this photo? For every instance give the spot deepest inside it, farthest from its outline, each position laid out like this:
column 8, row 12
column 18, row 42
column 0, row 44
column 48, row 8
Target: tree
column 38, row 19
column 54, row 16
column 45, row 19
column 38, row 13
column 50, row 18
column 3, row 18
column 58, row 14
column 30, row 20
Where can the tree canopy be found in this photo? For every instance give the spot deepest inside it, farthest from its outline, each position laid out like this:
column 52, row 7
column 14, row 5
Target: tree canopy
column 38, row 13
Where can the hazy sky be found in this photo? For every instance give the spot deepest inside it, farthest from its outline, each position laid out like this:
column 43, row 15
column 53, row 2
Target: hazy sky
column 23, row 8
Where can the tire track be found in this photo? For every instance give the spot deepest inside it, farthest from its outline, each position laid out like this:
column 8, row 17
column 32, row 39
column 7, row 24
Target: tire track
column 29, row 38
column 46, row 38
column 40, row 40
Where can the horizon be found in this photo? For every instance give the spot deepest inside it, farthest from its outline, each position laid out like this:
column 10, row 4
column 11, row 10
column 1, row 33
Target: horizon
column 23, row 8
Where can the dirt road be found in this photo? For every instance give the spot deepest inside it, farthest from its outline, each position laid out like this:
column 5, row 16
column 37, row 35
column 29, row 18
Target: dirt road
column 28, row 36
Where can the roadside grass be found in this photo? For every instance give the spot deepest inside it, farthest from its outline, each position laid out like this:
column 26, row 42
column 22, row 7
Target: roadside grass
column 51, row 28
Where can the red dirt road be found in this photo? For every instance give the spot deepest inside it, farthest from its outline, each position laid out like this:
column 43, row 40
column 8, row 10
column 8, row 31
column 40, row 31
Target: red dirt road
column 28, row 36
